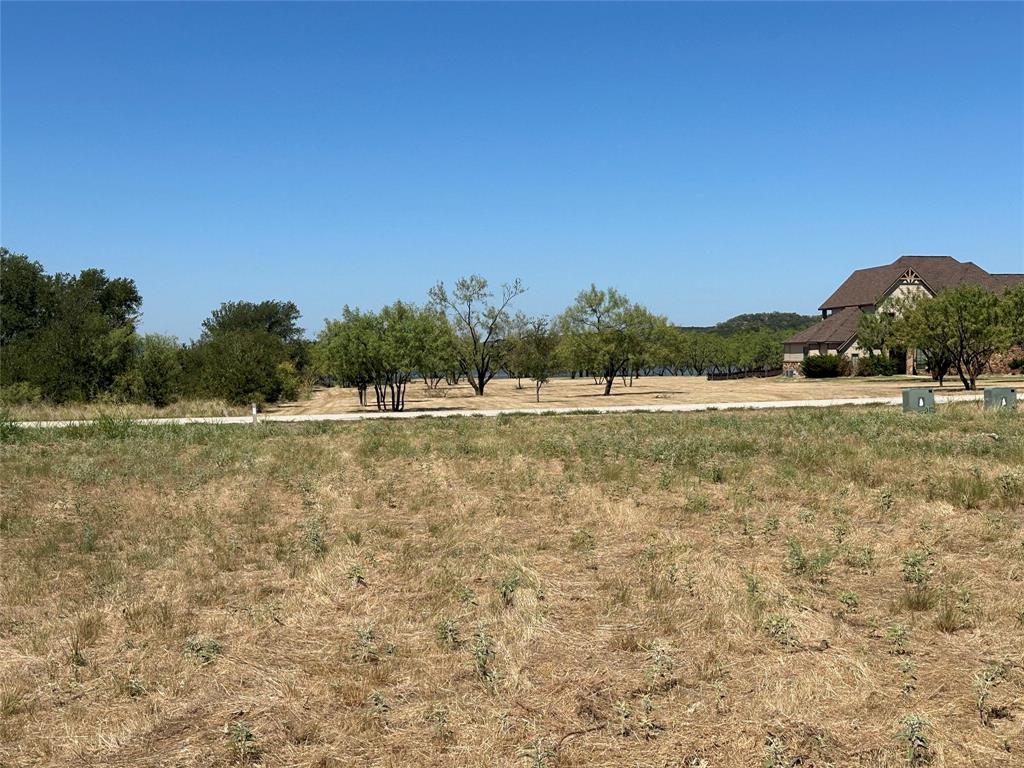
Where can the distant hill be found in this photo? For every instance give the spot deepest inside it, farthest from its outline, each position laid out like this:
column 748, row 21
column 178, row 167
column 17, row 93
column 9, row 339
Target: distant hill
column 756, row 321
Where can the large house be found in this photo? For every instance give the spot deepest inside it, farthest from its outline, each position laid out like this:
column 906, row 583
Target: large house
column 867, row 289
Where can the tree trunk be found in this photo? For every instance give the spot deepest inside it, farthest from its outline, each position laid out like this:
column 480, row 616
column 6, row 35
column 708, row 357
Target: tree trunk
column 963, row 378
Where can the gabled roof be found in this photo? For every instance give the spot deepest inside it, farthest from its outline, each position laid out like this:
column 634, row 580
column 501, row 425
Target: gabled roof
column 834, row 329
column 866, row 287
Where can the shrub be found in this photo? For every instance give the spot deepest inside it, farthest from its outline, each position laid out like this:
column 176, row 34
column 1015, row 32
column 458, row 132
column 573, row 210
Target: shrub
column 240, row 367
column 9, row 431
column 203, row 650
column 448, row 633
column 1017, row 364
column 877, row 365
column 20, row 393
column 483, row 654
column 915, row 741
column 825, row 366
column 291, row 382
column 155, row 375
column 113, row 426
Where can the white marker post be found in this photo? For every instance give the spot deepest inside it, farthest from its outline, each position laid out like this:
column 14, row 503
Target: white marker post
column 254, row 421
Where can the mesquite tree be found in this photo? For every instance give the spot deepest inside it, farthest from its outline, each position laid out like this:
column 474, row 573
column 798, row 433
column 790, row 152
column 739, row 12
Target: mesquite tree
column 608, row 332
column 537, row 353
column 381, row 349
column 962, row 326
column 921, row 325
column 479, row 324
column 971, row 315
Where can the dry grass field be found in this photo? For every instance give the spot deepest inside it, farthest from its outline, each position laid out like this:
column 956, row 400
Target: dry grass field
column 73, row 411
column 828, row 587
column 647, row 390
column 505, row 393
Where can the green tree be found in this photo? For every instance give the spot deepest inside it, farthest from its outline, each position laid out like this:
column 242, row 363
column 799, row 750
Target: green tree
column 1011, row 308
column 755, row 351
column 512, row 350
column 155, row 373
column 972, row 316
column 538, row 353
column 480, row 324
column 649, row 346
column 71, row 336
column 607, row 332
column 277, row 318
column 344, row 350
column 249, row 352
column 240, row 367
column 875, row 330
column 400, row 327
column 25, row 296
column 438, row 348
column 692, row 351
column 720, row 353
column 922, row 324
column 383, row 349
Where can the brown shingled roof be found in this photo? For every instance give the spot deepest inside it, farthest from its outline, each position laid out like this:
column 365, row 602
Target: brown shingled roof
column 834, row 329
column 865, row 287
column 1004, row 281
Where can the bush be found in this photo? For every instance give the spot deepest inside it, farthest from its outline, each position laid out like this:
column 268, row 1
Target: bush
column 20, row 393
column 9, row 431
column 877, row 365
column 1017, row 364
column 155, row 374
column 291, row 382
column 825, row 366
column 239, row 366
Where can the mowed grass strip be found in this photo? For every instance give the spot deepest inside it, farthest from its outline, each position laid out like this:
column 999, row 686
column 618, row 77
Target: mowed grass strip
column 827, row 587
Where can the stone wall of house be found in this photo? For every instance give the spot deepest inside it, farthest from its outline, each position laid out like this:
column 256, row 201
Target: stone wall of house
column 791, row 365
column 1000, row 362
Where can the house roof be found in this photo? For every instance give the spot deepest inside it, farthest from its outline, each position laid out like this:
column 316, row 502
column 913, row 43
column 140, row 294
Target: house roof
column 866, row 287
column 834, row 329
column 1005, row 280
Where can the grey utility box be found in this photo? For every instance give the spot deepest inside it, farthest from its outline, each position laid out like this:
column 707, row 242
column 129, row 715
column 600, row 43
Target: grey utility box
column 1000, row 397
column 918, row 399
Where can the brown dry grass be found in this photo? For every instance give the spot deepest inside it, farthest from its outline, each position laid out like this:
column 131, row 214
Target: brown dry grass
column 506, row 393
column 74, row 411
column 743, row 589
column 647, row 390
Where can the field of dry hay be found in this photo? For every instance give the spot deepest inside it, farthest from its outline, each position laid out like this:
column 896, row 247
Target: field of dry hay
column 647, row 390
column 837, row 587
column 508, row 394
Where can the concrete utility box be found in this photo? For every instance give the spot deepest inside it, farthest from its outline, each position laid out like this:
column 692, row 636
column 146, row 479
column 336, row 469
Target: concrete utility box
column 1000, row 397
column 918, row 399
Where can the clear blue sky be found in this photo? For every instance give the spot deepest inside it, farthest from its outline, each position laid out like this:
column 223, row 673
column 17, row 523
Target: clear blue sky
column 705, row 159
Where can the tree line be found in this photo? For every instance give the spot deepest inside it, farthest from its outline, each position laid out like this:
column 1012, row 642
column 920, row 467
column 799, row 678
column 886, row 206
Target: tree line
column 75, row 337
